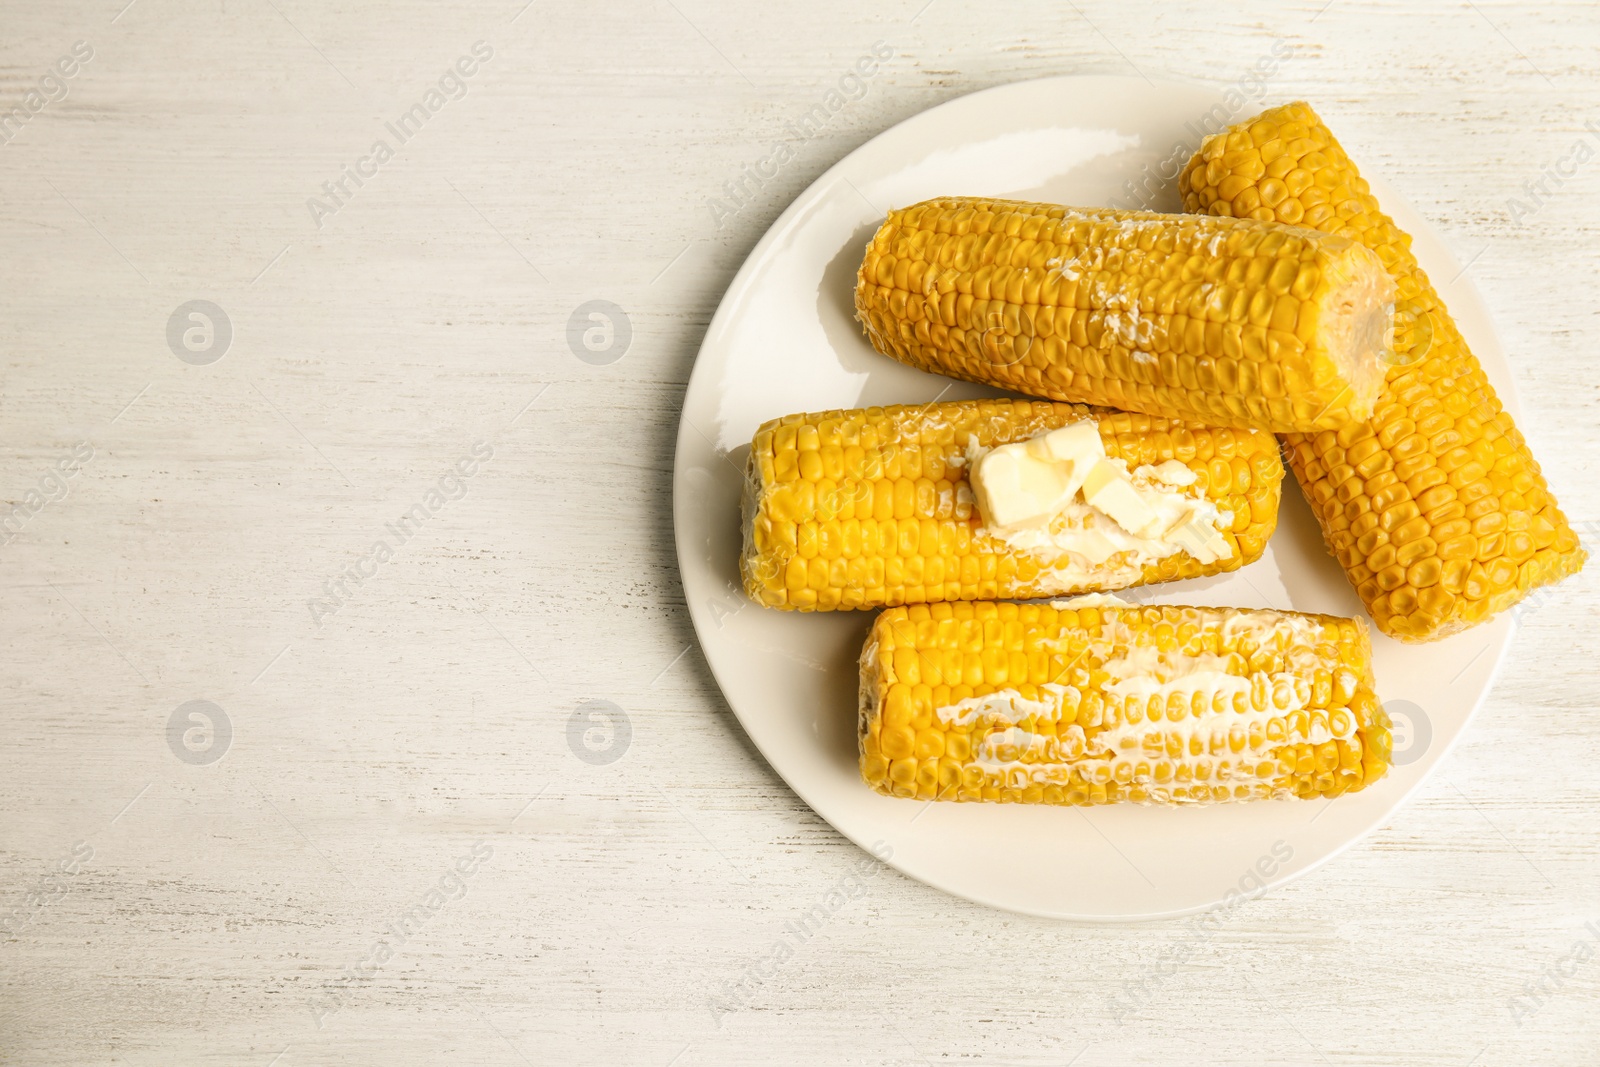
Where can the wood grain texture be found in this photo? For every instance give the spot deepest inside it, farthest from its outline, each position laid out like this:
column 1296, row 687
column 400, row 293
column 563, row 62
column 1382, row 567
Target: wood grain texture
column 430, row 713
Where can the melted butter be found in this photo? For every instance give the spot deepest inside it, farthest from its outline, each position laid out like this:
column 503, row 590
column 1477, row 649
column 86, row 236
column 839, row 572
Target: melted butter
column 1237, row 706
column 1091, row 600
column 1007, row 707
column 1172, row 472
column 1088, row 547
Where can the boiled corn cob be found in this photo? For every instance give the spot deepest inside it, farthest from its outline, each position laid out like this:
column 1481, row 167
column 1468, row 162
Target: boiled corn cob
column 1065, row 704
column 868, row 507
column 1234, row 323
column 1435, row 506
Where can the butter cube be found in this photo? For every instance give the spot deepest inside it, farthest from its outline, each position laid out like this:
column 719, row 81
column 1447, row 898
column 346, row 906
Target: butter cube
column 1109, row 489
column 1026, row 483
column 1077, row 444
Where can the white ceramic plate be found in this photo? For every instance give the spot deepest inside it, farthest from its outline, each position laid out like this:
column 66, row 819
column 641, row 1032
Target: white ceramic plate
column 785, row 340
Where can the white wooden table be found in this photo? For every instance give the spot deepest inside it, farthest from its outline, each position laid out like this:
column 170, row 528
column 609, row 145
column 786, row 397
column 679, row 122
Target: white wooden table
column 276, row 881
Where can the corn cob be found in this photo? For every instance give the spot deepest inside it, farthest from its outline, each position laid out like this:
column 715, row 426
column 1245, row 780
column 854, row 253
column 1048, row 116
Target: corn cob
column 1064, row 704
column 1230, row 323
column 1435, row 507
column 868, row 507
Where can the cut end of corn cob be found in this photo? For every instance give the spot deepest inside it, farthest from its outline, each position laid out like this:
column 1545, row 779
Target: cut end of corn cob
column 1229, row 322
column 1094, row 704
column 871, row 507
column 1434, row 506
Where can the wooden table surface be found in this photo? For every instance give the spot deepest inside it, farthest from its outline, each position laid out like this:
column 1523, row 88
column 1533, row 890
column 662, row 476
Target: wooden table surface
column 376, row 841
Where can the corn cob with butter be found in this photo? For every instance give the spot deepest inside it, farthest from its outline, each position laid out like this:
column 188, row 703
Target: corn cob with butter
column 872, row 507
column 1228, row 322
column 1435, row 507
column 1093, row 703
